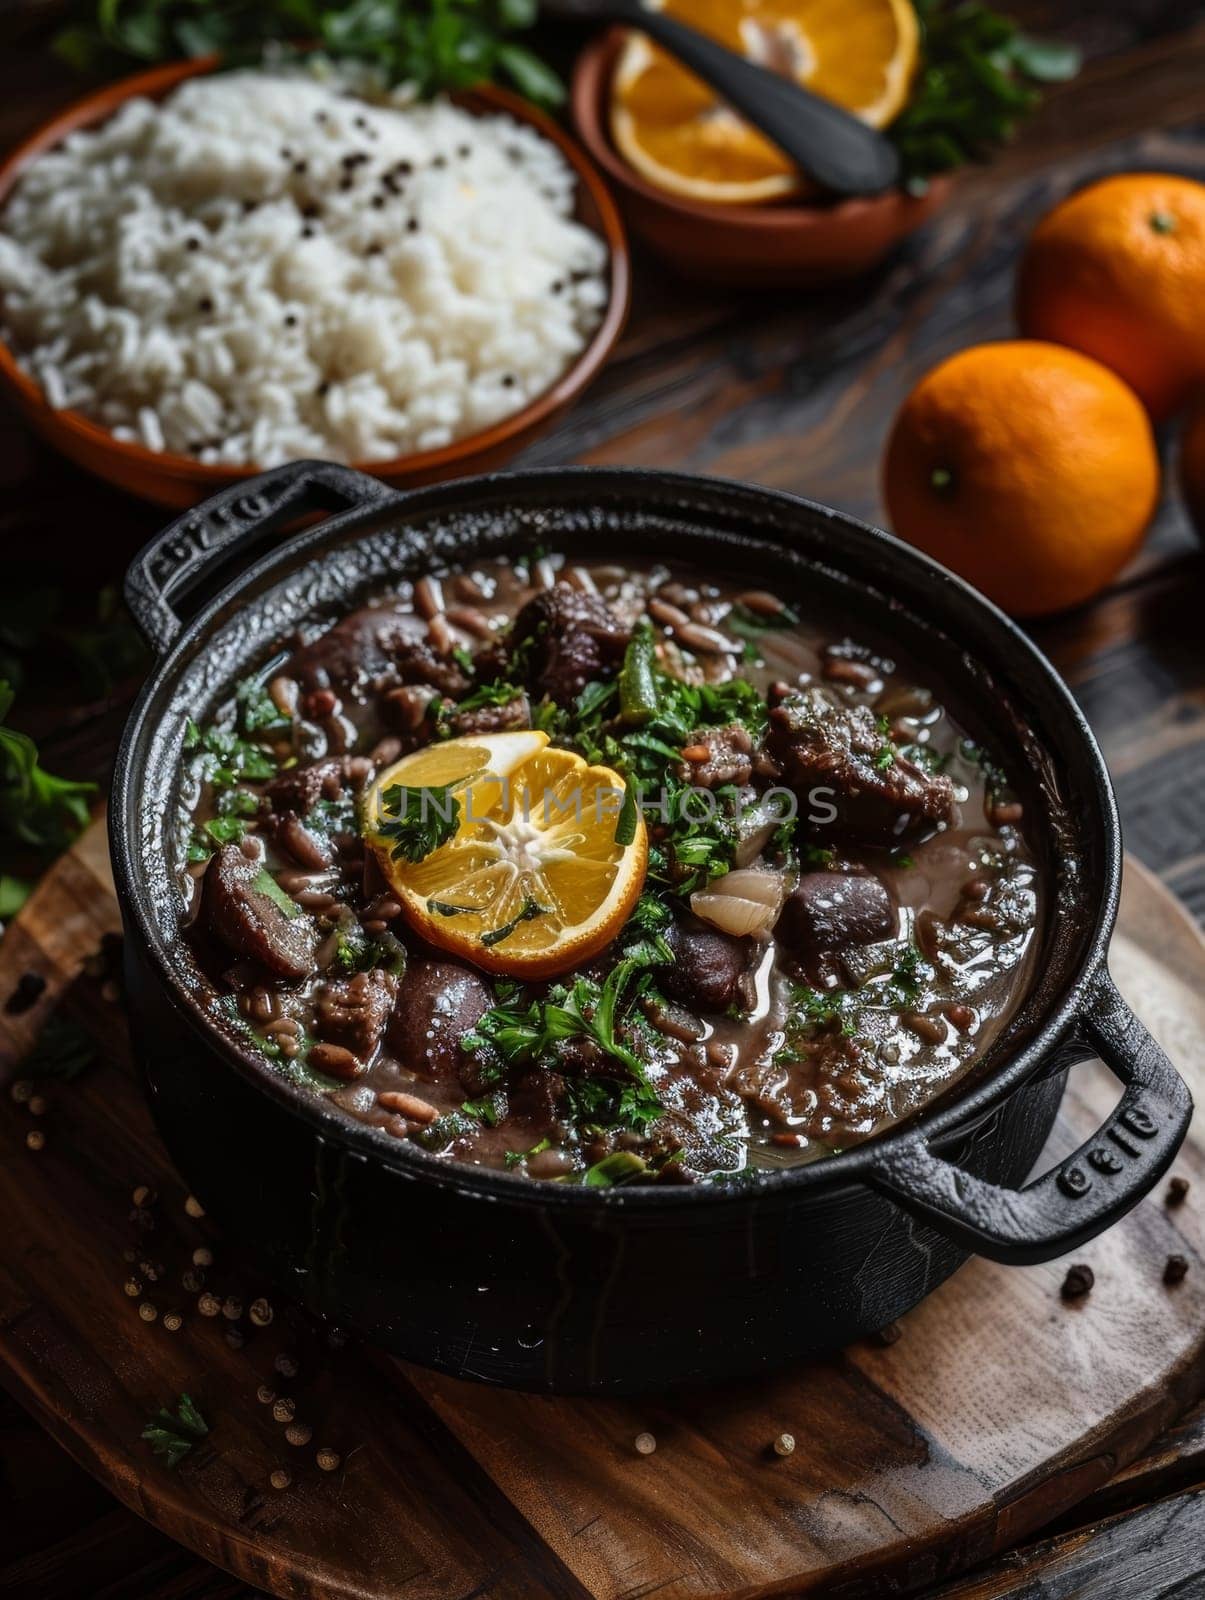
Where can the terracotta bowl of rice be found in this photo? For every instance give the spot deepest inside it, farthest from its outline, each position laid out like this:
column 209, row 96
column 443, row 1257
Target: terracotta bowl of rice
column 415, row 290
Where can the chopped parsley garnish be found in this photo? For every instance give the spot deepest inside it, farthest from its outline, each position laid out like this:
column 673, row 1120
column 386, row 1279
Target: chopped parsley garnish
column 520, row 1032
column 258, row 713
column 173, row 1434
column 418, row 821
column 500, row 693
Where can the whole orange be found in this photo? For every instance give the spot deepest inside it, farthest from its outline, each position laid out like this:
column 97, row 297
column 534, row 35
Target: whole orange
column 1028, row 468
column 1118, row 271
column 1192, row 462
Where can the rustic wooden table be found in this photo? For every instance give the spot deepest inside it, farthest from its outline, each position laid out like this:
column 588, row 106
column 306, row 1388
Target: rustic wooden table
column 795, row 391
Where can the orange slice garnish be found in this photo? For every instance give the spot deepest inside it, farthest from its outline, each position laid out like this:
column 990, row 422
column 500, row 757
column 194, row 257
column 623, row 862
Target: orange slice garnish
column 537, row 860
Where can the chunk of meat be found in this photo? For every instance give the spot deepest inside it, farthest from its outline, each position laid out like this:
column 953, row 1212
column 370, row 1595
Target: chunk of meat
column 353, row 1011
column 372, row 644
column 707, row 969
column 418, row 661
column 359, row 647
column 829, row 911
column 438, row 1002
column 248, row 914
column 515, row 713
column 300, row 789
column 715, row 756
column 569, row 638
column 819, row 743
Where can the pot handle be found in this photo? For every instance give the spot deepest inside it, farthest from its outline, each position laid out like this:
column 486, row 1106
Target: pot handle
column 232, row 522
column 1090, row 1189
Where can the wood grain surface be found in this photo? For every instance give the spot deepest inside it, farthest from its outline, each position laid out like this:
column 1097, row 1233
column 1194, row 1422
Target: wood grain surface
column 797, row 391
column 998, row 1408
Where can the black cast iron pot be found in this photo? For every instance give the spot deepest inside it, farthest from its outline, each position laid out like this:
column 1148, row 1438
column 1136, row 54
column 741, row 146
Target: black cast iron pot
column 490, row 1275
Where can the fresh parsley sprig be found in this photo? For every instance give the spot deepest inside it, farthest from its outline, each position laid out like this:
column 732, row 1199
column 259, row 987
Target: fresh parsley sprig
column 415, row 822
column 173, row 1435
column 37, row 809
column 979, row 76
column 426, row 44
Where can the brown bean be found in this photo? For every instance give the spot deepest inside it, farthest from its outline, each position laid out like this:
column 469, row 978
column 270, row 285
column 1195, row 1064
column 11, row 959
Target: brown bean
column 466, row 588
column 670, row 616
column 706, row 641
column 282, row 1028
column 697, row 752
column 963, row 1017
column 440, row 634
column 409, row 705
column 976, row 889
column 788, row 1141
column 259, row 1004
column 581, row 579
column 320, row 703
column 547, row 1164
column 336, row 1062
column 284, row 692
column 931, row 1029
column 408, row 1105
column 982, row 917
column 1004, row 814
column 471, row 620
column 384, row 909
column 761, row 602
column 857, row 674
column 428, row 598
column 386, row 751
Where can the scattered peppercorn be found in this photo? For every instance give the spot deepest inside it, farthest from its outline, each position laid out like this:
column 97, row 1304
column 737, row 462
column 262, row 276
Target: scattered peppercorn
column 147, row 1311
column 1078, row 1282
column 280, row 1479
column 194, row 1282
column 205, row 304
column 202, row 1256
column 261, row 1312
column 29, row 989
column 193, row 1207
column 21, row 1091
column 132, row 1287
column 38, row 1105
column 328, row 1459
column 645, row 1444
column 209, row 1305
column 1177, row 1192
column 265, row 1394
column 232, row 1308
column 784, row 1445
column 173, row 1321
column 287, row 1366
column 299, row 1433
column 35, row 1139
column 143, row 1195
column 1176, row 1269
column 284, row 1409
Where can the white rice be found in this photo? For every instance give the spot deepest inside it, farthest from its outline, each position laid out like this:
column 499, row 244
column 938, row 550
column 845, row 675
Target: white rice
column 167, row 275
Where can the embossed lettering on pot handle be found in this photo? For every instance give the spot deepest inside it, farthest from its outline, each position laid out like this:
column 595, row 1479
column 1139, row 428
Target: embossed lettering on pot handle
column 233, row 522
column 1088, row 1190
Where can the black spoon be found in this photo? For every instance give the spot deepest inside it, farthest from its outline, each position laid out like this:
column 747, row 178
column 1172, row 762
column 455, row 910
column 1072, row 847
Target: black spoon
column 827, row 143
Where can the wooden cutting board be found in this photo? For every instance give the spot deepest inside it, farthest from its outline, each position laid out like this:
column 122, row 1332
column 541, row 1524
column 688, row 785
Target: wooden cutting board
column 997, row 1409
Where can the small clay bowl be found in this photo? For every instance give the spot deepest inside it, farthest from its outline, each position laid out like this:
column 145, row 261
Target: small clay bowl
column 178, row 480
column 752, row 246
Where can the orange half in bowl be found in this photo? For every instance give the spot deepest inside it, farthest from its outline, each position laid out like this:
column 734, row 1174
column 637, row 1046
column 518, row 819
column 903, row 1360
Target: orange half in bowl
column 678, row 133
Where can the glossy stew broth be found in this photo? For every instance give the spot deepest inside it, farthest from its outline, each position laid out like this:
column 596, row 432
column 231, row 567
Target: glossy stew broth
column 893, row 919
